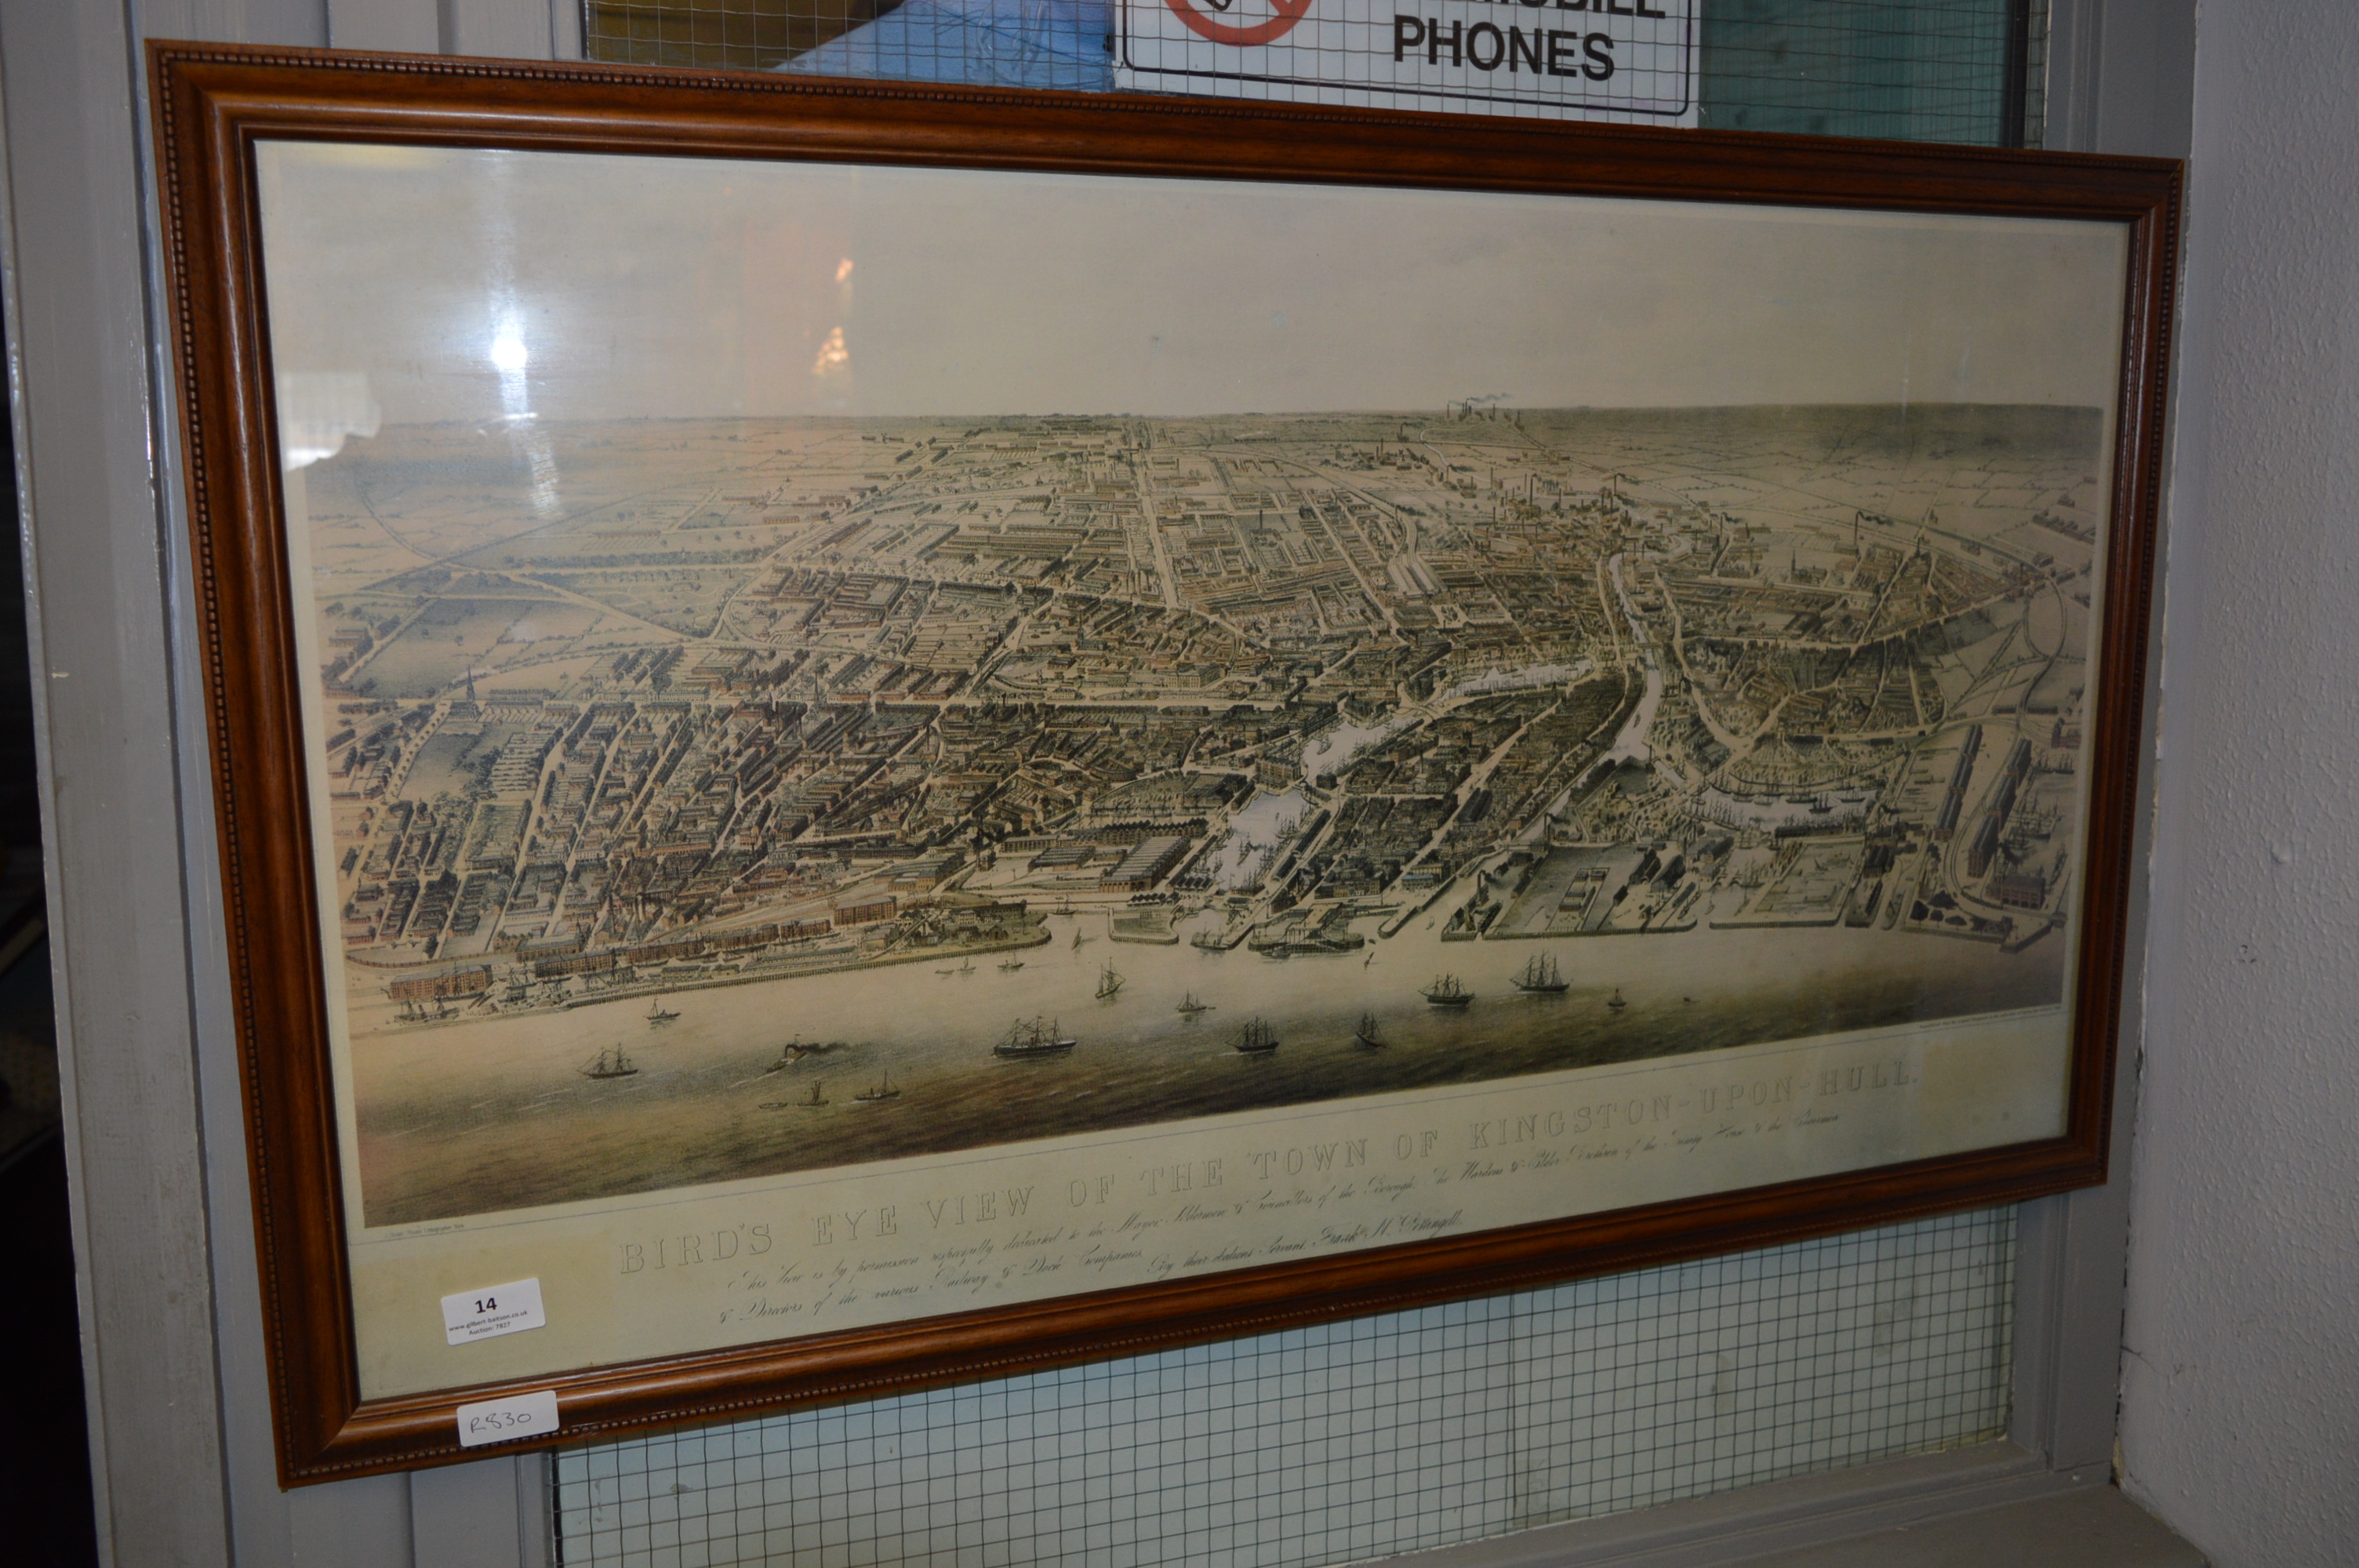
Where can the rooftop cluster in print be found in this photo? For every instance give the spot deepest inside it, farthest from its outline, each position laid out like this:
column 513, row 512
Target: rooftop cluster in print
column 774, row 698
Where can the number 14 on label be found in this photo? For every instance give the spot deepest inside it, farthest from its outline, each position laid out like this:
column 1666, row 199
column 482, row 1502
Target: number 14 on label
column 490, row 1310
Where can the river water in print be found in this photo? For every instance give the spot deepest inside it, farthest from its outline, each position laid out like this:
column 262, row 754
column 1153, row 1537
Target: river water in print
column 472, row 1118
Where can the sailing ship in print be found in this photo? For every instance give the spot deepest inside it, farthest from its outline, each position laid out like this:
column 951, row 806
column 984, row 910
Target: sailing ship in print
column 1256, row 1038
column 1448, row 991
column 811, row 1100
column 658, row 1014
column 1617, row 1004
column 1541, row 975
column 1369, row 1034
column 610, row 1064
column 883, row 1090
column 1109, row 982
column 1190, row 1007
column 1034, row 1037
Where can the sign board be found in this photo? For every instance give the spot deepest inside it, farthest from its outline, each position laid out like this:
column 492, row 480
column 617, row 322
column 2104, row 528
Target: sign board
column 1613, row 59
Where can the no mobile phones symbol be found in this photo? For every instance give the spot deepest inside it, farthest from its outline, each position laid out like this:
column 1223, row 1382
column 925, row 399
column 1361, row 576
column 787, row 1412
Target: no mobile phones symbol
column 1287, row 13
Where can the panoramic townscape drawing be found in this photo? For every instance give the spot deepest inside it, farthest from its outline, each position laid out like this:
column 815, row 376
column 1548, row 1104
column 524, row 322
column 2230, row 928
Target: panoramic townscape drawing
column 711, row 795
column 820, row 790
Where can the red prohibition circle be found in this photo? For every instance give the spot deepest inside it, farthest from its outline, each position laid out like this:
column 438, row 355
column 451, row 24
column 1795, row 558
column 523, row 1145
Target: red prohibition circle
column 1288, row 13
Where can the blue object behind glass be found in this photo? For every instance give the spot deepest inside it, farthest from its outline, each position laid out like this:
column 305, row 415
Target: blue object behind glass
column 999, row 43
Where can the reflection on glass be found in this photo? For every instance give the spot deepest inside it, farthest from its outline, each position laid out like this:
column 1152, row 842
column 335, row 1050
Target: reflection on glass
column 316, row 410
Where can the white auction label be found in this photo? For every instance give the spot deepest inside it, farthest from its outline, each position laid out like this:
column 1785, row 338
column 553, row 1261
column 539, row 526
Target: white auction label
column 493, row 1311
column 506, row 1420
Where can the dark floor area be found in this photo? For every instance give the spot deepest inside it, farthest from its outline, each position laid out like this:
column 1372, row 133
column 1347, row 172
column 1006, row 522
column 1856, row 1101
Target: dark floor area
column 43, row 1455
column 45, row 1492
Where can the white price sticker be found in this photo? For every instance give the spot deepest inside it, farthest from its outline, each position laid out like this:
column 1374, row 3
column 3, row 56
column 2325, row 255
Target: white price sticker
column 506, row 1420
column 493, row 1311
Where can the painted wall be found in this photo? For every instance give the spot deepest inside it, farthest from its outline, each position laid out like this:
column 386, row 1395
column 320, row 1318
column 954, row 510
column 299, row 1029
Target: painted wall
column 2240, row 1417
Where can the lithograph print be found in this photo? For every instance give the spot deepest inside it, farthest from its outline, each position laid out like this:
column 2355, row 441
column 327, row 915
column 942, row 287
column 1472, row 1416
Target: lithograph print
column 817, row 668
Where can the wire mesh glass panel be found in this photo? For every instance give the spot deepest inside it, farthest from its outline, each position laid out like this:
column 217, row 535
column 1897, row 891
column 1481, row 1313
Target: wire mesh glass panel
column 2034, row 74
column 1022, row 43
column 718, row 35
column 1927, row 71
column 1944, row 70
column 1398, row 1432
column 1354, row 1440
column 1002, row 43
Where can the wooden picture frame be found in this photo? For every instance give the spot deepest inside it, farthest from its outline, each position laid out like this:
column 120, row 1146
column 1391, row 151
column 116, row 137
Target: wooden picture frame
column 218, row 107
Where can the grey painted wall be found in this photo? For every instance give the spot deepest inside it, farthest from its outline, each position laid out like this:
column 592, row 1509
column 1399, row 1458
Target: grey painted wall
column 173, row 1340
column 2240, row 1415
column 173, row 1351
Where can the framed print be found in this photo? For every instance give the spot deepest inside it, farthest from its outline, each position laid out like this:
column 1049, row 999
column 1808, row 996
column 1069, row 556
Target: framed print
column 871, row 734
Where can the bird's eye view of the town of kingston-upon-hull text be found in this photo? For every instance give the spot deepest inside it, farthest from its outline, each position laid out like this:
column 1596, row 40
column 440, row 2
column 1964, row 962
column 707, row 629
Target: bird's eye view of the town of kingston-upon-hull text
column 910, row 750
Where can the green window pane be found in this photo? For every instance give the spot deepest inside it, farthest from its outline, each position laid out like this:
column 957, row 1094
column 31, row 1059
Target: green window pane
column 1925, row 70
